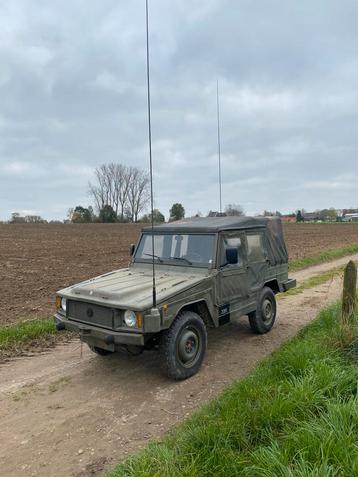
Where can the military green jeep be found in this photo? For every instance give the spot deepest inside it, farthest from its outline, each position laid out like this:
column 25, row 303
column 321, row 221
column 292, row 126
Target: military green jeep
column 208, row 271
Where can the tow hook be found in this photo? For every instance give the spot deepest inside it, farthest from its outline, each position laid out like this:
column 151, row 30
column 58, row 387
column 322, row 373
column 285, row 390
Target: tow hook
column 109, row 339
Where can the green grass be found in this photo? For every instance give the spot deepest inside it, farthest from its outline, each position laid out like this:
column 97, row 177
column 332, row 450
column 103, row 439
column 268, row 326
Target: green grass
column 326, row 256
column 295, row 415
column 24, row 332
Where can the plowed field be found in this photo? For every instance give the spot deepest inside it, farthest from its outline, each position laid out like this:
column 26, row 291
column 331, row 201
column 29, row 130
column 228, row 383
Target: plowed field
column 37, row 260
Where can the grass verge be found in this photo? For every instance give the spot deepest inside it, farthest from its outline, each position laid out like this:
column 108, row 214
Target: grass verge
column 25, row 332
column 313, row 281
column 322, row 257
column 295, row 415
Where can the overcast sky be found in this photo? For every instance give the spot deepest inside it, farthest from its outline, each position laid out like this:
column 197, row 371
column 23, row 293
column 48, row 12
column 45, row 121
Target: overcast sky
column 73, row 96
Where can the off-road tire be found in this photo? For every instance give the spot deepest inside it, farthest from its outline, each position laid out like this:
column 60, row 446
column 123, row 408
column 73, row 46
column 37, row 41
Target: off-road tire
column 262, row 320
column 187, row 336
column 100, row 351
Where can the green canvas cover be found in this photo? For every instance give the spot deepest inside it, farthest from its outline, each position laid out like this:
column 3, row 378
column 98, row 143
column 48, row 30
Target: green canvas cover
column 210, row 224
column 276, row 247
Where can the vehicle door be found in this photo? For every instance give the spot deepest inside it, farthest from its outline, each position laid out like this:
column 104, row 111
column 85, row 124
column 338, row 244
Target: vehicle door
column 231, row 284
column 257, row 262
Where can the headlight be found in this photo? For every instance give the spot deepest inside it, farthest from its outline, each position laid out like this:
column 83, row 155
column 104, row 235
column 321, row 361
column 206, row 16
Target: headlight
column 130, row 318
column 63, row 304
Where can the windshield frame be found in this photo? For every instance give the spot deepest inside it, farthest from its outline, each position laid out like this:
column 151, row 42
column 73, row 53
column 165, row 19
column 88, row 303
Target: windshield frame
column 175, row 262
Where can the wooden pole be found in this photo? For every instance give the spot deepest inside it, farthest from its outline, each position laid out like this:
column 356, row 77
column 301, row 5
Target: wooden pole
column 349, row 300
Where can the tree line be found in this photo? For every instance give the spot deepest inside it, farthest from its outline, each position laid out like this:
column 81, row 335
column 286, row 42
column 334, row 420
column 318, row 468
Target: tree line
column 177, row 212
column 108, row 215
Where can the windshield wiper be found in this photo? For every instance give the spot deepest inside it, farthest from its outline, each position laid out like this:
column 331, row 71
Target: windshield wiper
column 155, row 256
column 161, row 259
column 181, row 258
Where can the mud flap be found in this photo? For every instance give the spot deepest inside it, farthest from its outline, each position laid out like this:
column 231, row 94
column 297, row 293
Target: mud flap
column 291, row 283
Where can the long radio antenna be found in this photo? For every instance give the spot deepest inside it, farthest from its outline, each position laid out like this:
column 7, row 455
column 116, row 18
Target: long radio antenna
column 150, row 151
column 219, row 145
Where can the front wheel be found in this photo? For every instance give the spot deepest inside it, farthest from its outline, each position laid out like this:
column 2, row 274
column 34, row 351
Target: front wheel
column 183, row 345
column 262, row 319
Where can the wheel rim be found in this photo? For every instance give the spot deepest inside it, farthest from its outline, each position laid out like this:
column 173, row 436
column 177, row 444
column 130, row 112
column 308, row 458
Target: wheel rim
column 189, row 347
column 267, row 310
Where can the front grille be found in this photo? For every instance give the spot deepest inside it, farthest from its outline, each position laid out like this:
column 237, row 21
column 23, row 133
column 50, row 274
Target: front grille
column 93, row 314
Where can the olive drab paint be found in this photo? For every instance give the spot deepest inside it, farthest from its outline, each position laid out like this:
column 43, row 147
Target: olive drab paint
column 216, row 290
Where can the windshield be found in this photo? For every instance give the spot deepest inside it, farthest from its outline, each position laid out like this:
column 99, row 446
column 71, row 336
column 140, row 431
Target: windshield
column 178, row 249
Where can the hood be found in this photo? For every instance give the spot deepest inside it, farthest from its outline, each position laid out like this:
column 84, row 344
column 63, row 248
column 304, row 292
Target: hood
column 132, row 288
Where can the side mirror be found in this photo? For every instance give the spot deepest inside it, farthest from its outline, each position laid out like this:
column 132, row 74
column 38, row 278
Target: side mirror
column 131, row 249
column 232, row 256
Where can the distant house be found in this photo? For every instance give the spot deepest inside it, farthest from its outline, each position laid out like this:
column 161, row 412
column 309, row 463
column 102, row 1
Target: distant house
column 311, row 216
column 349, row 211
column 348, row 215
column 353, row 217
column 288, row 218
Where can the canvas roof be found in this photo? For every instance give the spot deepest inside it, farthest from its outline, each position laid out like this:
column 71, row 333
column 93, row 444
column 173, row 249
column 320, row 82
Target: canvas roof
column 275, row 241
column 211, row 224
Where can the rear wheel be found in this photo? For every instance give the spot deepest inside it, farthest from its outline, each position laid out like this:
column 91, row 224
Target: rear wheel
column 100, row 351
column 183, row 345
column 262, row 319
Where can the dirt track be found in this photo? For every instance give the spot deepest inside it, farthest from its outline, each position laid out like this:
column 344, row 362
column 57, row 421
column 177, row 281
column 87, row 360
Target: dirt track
column 69, row 412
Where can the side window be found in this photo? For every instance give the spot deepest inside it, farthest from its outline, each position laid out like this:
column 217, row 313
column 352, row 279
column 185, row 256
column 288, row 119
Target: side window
column 231, row 242
column 255, row 252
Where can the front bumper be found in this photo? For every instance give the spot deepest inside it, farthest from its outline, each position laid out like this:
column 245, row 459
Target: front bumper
column 93, row 335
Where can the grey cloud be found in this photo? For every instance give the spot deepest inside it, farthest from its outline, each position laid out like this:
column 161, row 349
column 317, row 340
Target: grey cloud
column 72, row 88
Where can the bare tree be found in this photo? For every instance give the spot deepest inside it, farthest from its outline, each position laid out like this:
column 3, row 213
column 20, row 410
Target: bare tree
column 111, row 187
column 138, row 193
column 70, row 213
column 123, row 180
column 118, row 178
column 123, row 188
column 99, row 191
